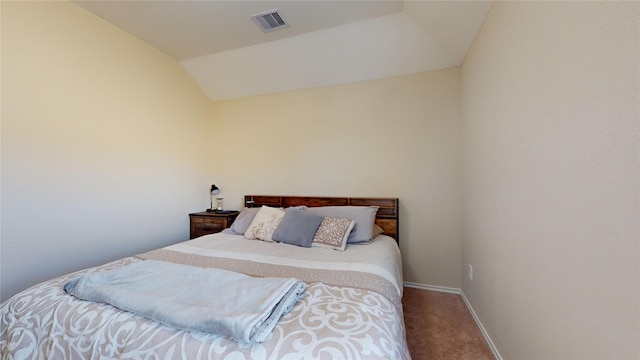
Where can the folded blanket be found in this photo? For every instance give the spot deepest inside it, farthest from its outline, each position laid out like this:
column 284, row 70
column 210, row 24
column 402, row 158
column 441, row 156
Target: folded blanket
column 208, row 300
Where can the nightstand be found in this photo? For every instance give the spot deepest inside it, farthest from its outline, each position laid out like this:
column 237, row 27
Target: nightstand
column 203, row 223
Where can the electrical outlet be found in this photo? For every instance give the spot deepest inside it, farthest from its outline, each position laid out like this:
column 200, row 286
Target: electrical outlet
column 470, row 273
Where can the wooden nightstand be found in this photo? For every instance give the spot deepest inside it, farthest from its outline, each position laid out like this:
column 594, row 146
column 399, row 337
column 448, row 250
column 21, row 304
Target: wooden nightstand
column 203, row 223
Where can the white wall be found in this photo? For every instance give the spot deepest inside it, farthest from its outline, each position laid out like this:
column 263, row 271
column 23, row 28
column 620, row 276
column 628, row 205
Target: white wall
column 394, row 137
column 104, row 144
column 550, row 102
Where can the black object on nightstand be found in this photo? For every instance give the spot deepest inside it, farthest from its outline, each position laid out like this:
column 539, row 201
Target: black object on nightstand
column 210, row 222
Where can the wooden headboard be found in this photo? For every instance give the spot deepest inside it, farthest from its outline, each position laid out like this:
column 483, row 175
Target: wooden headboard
column 386, row 218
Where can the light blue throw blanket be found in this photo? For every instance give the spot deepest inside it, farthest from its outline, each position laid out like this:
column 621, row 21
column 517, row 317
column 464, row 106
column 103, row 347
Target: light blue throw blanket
column 208, row 300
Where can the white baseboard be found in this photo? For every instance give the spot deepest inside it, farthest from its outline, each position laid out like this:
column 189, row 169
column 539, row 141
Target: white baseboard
column 484, row 332
column 457, row 291
column 444, row 289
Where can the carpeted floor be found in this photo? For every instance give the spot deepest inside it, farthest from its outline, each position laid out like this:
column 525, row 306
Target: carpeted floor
column 440, row 327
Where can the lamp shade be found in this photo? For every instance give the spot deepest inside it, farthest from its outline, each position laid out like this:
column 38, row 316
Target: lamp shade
column 215, row 190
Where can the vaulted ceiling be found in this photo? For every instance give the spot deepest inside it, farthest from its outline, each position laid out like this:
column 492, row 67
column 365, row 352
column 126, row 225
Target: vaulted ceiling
column 326, row 42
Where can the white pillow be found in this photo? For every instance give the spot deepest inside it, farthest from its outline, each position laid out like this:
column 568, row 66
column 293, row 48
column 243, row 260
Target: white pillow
column 264, row 224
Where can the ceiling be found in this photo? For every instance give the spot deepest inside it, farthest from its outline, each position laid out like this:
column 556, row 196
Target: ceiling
column 326, row 42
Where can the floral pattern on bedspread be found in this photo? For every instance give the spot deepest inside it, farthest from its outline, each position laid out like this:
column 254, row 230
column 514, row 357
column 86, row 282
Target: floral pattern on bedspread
column 329, row 322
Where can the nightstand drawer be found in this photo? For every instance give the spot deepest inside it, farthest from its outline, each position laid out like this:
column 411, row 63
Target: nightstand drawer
column 207, row 226
column 210, row 223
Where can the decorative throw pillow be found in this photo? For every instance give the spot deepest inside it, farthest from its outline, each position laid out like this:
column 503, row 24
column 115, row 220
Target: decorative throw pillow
column 243, row 220
column 333, row 233
column 365, row 217
column 264, row 224
column 377, row 230
column 297, row 228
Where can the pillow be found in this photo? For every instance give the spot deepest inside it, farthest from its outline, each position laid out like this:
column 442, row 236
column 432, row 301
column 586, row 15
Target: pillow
column 377, row 230
column 364, row 216
column 333, row 233
column 297, row 228
column 243, row 220
column 298, row 207
column 264, row 224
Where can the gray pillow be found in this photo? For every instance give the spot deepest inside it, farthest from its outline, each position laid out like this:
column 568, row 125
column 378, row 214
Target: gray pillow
column 365, row 217
column 243, row 220
column 297, row 228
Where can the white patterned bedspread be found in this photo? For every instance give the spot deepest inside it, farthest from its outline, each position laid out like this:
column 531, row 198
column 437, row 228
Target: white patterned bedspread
column 329, row 322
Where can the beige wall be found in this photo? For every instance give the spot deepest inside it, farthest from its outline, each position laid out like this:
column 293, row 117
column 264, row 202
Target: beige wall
column 107, row 144
column 103, row 144
column 550, row 101
column 395, row 137
column 111, row 138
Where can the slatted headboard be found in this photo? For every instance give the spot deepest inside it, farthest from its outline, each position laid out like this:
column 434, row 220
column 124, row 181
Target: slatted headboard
column 386, row 218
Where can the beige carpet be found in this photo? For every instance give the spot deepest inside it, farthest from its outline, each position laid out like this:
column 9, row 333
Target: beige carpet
column 440, row 327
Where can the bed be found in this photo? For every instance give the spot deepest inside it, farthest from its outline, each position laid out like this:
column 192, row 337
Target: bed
column 350, row 308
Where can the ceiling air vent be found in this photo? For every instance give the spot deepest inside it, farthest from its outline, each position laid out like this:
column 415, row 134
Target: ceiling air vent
column 269, row 20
